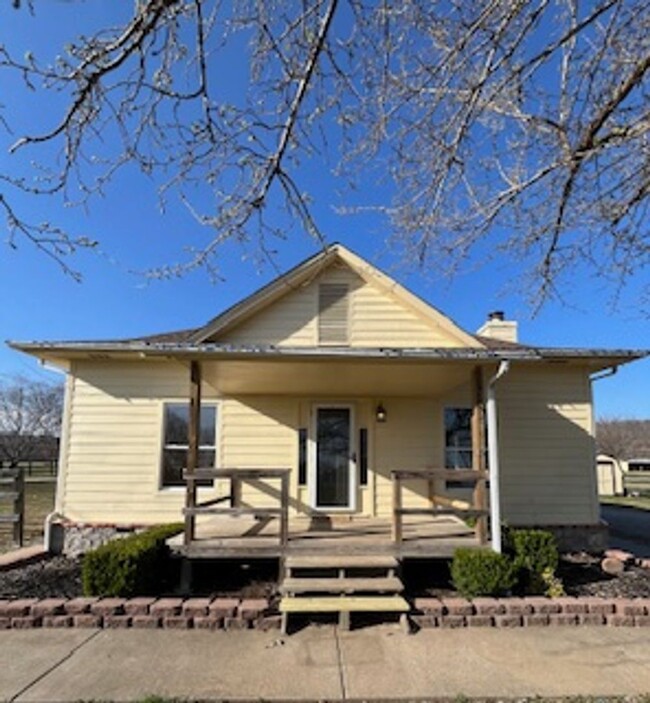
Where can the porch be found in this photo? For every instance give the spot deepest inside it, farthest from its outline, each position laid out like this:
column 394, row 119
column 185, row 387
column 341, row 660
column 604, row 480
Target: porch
column 322, row 492
column 248, row 537
column 225, row 527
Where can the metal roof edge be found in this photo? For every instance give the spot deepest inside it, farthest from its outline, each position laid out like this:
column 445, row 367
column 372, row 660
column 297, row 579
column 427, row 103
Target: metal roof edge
column 218, row 349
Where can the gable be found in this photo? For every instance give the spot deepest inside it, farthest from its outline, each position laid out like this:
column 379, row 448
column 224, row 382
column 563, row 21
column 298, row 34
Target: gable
column 339, row 307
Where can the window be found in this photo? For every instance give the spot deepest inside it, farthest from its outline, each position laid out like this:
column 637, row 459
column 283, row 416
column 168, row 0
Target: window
column 302, row 456
column 639, row 465
column 363, row 456
column 333, row 313
column 176, row 438
column 458, row 443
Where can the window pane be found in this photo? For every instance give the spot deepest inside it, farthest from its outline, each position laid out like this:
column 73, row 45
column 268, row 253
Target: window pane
column 206, row 459
column 363, row 456
column 174, row 461
column 458, row 443
column 176, row 439
column 302, row 456
column 458, row 458
column 176, row 423
column 208, row 425
column 458, row 427
column 333, row 457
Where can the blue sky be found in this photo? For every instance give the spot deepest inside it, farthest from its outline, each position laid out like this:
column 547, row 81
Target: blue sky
column 40, row 302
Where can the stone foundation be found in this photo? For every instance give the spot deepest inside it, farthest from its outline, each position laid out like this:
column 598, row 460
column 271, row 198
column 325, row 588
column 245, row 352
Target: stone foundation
column 576, row 538
column 74, row 539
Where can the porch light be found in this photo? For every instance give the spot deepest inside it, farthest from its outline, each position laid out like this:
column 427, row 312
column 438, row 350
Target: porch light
column 380, row 413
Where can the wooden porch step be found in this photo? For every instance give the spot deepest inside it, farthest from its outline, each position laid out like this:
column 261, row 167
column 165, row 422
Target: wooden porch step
column 348, row 604
column 380, row 584
column 389, row 584
column 347, row 561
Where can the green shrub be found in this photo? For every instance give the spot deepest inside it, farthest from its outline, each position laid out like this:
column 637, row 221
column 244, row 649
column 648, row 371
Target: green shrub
column 535, row 555
column 477, row 572
column 553, row 586
column 131, row 566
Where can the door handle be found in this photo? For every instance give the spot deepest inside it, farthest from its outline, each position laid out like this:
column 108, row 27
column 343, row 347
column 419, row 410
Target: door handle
column 353, row 457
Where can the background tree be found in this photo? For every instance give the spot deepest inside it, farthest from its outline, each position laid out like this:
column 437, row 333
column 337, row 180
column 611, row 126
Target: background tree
column 622, row 438
column 30, row 412
column 515, row 128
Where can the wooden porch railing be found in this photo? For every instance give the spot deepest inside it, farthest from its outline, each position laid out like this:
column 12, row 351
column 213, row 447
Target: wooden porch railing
column 237, row 477
column 442, row 505
column 12, row 491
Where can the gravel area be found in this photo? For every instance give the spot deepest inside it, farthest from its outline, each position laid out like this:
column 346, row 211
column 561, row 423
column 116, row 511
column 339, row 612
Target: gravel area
column 582, row 576
column 61, row 577
column 57, row 577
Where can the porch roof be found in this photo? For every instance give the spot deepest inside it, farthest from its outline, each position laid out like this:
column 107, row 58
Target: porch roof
column 58, row 352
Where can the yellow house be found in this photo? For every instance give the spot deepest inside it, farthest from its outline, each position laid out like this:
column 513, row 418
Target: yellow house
column 364, row 401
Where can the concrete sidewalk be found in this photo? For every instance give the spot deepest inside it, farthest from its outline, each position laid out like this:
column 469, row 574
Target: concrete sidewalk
column 322, row 663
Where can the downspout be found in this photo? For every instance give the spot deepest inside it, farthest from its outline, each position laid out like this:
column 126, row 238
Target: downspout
column 52, row 544
column 493, row 456
column 605, row 373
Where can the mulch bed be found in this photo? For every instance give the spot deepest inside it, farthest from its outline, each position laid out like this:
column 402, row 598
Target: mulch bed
column 582, row 576
column 57, row 577
column 60, row 577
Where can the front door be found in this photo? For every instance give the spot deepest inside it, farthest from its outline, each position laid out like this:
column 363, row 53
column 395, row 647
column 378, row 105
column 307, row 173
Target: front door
column 334, row 473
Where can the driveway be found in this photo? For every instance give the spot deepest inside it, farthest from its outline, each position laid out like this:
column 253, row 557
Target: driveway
column 629, row 529
column 320, row 663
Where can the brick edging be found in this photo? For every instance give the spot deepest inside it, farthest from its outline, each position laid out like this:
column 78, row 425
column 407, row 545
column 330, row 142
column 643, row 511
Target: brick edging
column 140, row 613
column 244, row 614
column 532, row 611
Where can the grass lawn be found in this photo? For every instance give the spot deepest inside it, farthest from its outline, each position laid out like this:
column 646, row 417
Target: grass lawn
column 39, row 501
column 640, row 502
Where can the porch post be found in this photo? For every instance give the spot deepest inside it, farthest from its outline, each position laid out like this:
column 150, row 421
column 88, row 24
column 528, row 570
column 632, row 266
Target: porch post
column 193, row 448
column 478, row 453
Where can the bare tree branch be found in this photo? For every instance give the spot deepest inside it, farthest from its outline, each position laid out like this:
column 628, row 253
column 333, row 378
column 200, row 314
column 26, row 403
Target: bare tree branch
column 517, row 128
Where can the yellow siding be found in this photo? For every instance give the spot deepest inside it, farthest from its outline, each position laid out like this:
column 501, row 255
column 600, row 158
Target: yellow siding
column 260, row 433
column 291, row 321
column 409, row 440
column 112, row 467
column 547, row 448
column 376, row 318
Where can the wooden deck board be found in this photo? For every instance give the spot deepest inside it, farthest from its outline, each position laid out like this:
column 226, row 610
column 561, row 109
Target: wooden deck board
column 388, row 584
column 350, row 604
column 244, row 537
column 361, row 561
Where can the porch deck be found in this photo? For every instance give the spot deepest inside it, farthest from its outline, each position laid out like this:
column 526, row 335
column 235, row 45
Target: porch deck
column 243, row 537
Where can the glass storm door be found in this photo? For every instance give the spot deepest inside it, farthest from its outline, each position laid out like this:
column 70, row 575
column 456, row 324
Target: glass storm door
column 333, row 458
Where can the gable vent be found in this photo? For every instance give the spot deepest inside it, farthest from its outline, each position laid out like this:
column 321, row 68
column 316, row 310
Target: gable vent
column 333, row 313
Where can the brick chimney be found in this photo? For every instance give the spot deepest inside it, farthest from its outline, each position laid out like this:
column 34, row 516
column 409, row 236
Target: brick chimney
column 497, row 327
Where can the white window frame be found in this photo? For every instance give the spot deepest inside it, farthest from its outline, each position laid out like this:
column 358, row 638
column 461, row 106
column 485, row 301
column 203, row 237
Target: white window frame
column 206, row 447
column 312, row 460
